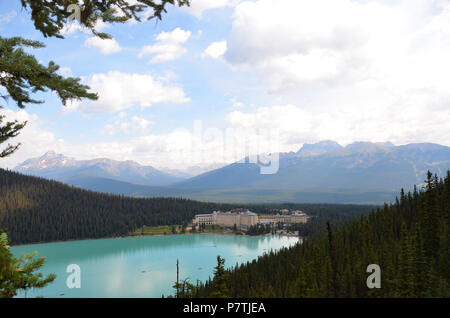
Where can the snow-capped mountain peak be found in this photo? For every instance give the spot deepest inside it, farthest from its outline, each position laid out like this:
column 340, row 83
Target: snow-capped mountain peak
column 49, row 160
column 59, row 167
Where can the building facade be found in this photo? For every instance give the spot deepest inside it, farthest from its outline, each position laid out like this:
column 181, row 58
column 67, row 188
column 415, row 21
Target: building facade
column 242, row 220
column 204, row 219
column 294, row 217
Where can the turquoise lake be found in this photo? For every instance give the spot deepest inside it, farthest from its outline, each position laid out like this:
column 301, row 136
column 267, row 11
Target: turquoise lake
column 143, row 266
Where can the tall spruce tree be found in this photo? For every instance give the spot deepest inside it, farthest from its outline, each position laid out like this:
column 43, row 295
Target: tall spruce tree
column 220, row 279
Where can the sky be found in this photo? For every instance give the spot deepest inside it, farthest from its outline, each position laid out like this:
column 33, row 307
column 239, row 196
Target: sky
column 224, row 78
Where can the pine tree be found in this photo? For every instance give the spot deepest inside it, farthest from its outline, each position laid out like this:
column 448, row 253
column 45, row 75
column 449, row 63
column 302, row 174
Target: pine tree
column 332, row 251
column 19, row 273
column 220, row 279
column 50, row 17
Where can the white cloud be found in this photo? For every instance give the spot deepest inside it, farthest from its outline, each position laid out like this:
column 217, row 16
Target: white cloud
column 288, row 122
column 168, row 47
column 298, row 44
column 366, row 70
column 174, row 149
column 135, row 125
column 118, row 91
column 74, row 27
column 236, row 103
column 215, row 50
column 197, row 7
column 65, row 71
column 33, row 138
column 198, row 35
column 106, row 46
column 70, row 107
column 7, row 17
column 345, row 123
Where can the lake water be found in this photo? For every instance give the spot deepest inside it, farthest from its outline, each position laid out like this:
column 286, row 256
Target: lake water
column 143, row 266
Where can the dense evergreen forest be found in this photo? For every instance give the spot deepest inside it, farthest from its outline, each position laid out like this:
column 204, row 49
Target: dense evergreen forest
column 38, row 210
column 407, row 239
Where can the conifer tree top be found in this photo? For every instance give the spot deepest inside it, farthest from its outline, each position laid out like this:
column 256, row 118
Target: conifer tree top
column 50, row 17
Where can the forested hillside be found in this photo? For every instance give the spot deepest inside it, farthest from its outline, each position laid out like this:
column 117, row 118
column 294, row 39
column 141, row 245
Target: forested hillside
column 38, row 210
column 408, row 240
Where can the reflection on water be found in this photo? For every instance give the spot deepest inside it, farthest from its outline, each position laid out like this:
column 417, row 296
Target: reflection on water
column 143, row 266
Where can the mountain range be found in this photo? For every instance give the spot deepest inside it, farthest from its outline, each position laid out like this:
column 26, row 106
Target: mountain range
column 327, row 165
column 324, row 172
column 65, row 169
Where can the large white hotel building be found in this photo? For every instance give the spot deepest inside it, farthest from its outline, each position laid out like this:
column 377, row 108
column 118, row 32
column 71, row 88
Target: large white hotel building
column 244, row 219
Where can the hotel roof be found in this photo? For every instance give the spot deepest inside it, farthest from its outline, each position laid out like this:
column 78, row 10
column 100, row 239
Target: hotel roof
column 203, row 214
column 249, row 213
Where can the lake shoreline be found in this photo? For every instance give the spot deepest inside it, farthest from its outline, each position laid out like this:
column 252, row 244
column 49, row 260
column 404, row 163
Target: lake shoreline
column 150, row 235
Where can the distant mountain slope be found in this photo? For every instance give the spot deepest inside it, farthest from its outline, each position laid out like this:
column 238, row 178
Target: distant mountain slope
column 62, row 168
column 328, row 166
column 318, row 148
column 362, row 173
column 192, row 171
column 121, row 187
column 241, row 196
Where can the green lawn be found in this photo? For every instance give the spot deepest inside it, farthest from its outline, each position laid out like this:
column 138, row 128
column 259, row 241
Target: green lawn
column 155, row 230
column 213, row 229
column 167, row 230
